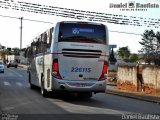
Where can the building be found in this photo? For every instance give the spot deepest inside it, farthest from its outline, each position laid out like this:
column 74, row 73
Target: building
column 20, row 59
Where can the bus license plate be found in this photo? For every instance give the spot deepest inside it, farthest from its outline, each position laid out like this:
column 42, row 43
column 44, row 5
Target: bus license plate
column 80, row 85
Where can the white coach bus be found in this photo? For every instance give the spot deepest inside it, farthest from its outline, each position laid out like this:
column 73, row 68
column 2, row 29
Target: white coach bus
column 72, row 57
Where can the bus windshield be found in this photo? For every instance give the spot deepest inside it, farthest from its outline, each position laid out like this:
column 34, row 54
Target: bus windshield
column 85, row 33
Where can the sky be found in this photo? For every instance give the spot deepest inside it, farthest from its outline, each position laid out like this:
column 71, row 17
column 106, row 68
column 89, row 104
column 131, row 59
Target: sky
column 10, row 28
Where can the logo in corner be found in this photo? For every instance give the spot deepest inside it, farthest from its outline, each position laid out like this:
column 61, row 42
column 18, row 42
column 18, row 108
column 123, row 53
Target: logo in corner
column 131, row 4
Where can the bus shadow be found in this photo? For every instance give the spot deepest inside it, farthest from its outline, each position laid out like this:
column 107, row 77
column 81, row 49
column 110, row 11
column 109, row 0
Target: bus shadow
column 101, row 100
column 65, row 96
column 96, row 101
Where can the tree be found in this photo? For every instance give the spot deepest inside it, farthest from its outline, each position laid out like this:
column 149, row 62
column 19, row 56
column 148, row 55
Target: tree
column 15, row 51
column 112, row 59
column 151, row 46
column 23, row 49
column 3, row 47
column 2, row 54
column 124, row 53
column 133, row 57
column 8, row 51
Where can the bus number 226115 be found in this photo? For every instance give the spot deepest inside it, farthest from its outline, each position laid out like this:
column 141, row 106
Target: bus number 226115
column 80, row 69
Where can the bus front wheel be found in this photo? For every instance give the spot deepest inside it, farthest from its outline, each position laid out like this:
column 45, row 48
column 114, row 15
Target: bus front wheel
column 29, row 79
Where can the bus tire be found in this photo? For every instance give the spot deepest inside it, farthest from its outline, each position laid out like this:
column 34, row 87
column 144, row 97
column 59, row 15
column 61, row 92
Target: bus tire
column 85, row 95
column 44, row 92
column 29, row 79
column 32, row 86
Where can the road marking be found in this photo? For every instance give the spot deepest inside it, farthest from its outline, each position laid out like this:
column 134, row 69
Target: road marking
column 19, row 84
column 7, row 83
column 27, row 85
column 20, row 75
column 10, row 74
column 15, row 72
column 72, row 108
column 16, row 106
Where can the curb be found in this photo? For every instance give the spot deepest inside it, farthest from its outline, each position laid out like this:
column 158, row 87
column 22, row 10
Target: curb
column 134, row 96
column 22, row 66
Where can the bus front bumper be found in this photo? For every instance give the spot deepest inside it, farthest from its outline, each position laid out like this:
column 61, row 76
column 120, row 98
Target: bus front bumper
column 79, row 85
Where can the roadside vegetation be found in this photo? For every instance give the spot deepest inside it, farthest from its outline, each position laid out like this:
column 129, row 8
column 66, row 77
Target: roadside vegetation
column 9, row 51
column 151, row 47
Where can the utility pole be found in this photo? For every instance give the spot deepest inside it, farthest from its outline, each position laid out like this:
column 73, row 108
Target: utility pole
column 21, row 18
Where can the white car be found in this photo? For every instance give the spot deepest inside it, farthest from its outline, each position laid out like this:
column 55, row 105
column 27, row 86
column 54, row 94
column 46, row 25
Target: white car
column 1, row 67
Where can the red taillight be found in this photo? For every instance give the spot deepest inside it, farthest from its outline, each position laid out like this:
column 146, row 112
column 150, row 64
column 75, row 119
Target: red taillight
column 56, row 73
column 55, row 65
column 105, row 68
column 104, row 71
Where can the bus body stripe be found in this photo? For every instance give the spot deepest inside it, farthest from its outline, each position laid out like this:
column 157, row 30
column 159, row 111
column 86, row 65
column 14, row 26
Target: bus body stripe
column 42, row 54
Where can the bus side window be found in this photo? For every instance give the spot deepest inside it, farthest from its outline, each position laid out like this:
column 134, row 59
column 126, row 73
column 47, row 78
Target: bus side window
column 41, row 44
column 49, row 39
column 44, row 42
column 38, row 46
column 33, row 48
column 27, row 53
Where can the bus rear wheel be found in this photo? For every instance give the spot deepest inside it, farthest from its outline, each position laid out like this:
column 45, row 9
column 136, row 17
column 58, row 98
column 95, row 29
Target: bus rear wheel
column 44, row 92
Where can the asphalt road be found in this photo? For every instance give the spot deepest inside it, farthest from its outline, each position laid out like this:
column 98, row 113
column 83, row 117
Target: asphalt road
column 18, row 100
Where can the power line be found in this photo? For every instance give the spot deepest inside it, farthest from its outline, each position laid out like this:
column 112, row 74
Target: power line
column 9, row 16
column 52, row 23
column 79, row 14
column 39, row 21
column 125, row 32
column 26, row 19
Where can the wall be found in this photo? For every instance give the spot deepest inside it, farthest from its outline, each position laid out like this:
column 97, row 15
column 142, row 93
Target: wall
column 127, row 78
column 22, row 59
column 151, row 79
column 140, row 78
column 10, row 57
